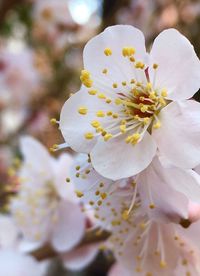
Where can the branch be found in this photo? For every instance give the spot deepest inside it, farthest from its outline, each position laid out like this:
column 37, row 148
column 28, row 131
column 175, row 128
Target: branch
column 91, row 236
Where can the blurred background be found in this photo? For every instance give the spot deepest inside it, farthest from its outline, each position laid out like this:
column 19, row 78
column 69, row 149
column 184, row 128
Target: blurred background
column 41, row 44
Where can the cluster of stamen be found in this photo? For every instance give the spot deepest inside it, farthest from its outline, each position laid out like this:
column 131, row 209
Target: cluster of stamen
column 138, row 103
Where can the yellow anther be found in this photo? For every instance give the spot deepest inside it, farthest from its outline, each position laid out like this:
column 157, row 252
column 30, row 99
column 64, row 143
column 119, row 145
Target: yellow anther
column 144, row 108
column 128, row 139
column 135, row 138
column 138, row 269
column 132, row 59
column 92, row 92
column 163, row 264
column 91, row 203
column 162, row 101
column 100, row 113
column 115, row 116
column 97, row 193
column 151, row 206
column 53, row 121
column 152, row 95
column 123, row 128
column 79, row 193
column 132, row 81
column 105, row 71
column 107, row 137
column 85, row 78
column 115, row 222
column 101, row 96
column 157, row 125
column 107, row 51
column 78, row 168
column 85, row 74
column 149, row 85
column 52, row 150
column 88, row 83
column 89, row 135
column 103, row 195
column 118, row 101
column 114, row 85
column 184, row 262
column 128, row 51
column 155, row 66
column 124, row 83
column 103, row 133
column 101, row 185
column 109, row 113
column 135, row 92
column 139, row 65
column 142, row 225
column 55, row 146
column 146, row 120
column 95, row 124
column 164, row 93
column 123, row 122
column 82, row 110
column 108, row 101
column 99, row 129
column 99, row 202
column 125, row 215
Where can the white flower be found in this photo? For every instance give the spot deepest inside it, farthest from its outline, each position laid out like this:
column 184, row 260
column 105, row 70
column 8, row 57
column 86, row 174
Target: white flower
column 165, row 191
column 46, row 208
column 12, row 261
column 19, row 79
column 133, row 103
column 147, row 246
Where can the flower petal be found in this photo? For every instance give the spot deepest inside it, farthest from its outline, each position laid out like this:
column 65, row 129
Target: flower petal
column 62, row 168
column 178, row 65
column 183, row 181
column 80, row 257
column 178, row 138
column 74, row 125
column 69, row 228
column 154, row 182
column 118, row 270
column 29, row 147
column 119, row 67
column 115, row 159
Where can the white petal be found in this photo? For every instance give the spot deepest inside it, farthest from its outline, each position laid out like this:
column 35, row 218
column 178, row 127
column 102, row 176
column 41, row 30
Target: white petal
column 119, row 68
column 115, row 159
column 74, row 125
column 9, row 232
column 35, row 154
column 194, row 211
column 191, row 233
column 62, row 168
column 69, row 228
column 184, row 181
column 170, row 205
column 119, row 270
column 178, row 138
column 13, row 263
column 197, row 169
column 178, row 65
column 80, row 257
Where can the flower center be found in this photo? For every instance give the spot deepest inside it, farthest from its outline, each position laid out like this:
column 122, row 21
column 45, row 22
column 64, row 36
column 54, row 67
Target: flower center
column 134, row 106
